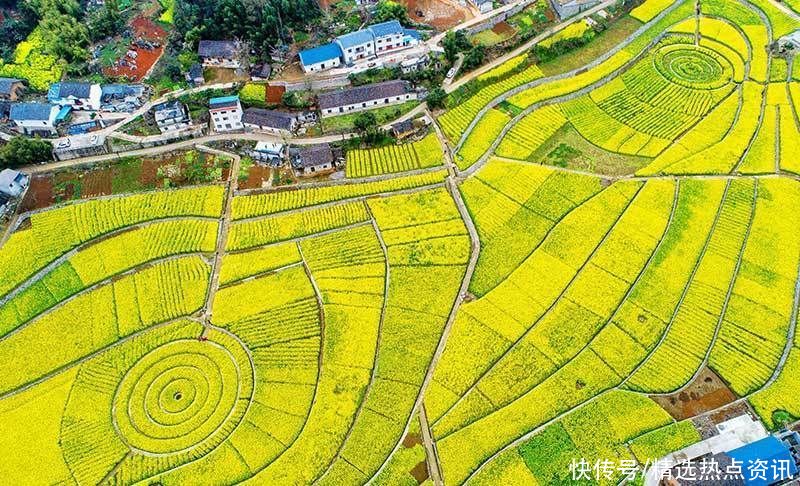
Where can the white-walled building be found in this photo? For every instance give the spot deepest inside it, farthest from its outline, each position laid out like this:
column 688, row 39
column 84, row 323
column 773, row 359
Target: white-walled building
column 351, row 48
column 226, row 113
column 80, row 96
column 270, row 121
column 388, row 36
column 171, row 116
column 35, row 118
column 367, row 97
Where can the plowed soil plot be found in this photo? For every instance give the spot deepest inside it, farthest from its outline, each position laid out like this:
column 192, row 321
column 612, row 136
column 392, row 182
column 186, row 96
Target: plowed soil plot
column 257, row 177
column 39, row 195
column 705, row 393
column 439, row 14
column 136, row 66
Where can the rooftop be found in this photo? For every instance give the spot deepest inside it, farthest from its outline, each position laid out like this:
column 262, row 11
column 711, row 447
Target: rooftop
column 221, row 49
column 169, row 109
column 69, row 89
column 361, row 94
column 30, row 111
column 313, row 155
column 269, row 118
column 392, row 27
column 223, row 102
column 327, row 52
column 355, row 38
column 6, row 84
column 771, row 451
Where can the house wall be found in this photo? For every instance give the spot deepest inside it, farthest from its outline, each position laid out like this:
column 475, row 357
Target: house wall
column 358, row 52
column 221, row 62
column 28, row 126
column 389, row 42
column 266, row 129
column 322, row 66
column 228, row 119
column 172, row 124
column 369, row 105
column 315, row 169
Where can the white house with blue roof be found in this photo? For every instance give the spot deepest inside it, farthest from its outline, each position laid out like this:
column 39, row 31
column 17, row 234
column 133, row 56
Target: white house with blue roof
column 226, row 113
column 78, row 95
column 367, row 43
column 35, row 118
column 321, row 58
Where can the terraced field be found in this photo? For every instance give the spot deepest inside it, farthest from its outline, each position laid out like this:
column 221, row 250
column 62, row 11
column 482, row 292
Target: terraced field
column 487, row 324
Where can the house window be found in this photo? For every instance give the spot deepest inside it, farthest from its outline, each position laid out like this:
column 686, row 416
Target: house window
column 228, row 126
column 386, row 100
column 363, row 105
column 341, row 109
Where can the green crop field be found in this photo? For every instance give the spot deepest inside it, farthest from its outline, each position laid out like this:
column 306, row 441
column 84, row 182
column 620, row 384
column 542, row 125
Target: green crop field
column 486, row 312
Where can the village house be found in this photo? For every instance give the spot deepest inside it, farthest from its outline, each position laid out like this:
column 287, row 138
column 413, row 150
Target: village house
column 312, row 159
column 261, row 72
column 171, row 116
column 221, row 54
column 365, row 97
column 36, row 118
column 484, row 6
column 122, row 98
column 270, row 121
column 269, row 153
column 11, row 89
column 78, row 95
column 13, row 182
column 367, row 43
column 226, row 113
column 320, row 58
column 195, row 75
column 570, row 8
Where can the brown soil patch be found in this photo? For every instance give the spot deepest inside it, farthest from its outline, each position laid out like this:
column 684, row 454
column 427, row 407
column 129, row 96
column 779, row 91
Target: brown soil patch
column 135, row 67
column 503, row 29
column 39, row 195
column 705, row 393
column 440, row 14
column 275, row 94
column 420, row 472
column 257, row 177
column 411, row 440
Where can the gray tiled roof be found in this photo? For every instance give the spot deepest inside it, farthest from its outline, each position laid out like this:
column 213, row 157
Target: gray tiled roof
column 268, row 118
column 221, row 49
column 362, row 94
column 6, row 84
column 313, row 155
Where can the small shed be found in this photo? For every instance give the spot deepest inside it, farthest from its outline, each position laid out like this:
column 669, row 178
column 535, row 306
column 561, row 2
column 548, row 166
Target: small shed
column 313, row 159
column 13, row 183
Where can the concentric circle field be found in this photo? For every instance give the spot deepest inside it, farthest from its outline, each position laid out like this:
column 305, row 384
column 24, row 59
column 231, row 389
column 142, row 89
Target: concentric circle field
column 693, row 66
column 176, row 396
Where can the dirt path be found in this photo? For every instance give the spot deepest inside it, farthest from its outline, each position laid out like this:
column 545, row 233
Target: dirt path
column 432, row 454
column 222, row 238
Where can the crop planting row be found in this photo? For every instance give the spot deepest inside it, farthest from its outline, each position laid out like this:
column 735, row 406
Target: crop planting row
column 274, row 202
column 100, row 317
column 273, row 229
column 455, row 122
column 693, row 327
column 55, row 232
column 395, row 158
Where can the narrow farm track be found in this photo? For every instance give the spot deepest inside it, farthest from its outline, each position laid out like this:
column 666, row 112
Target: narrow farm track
column 374, row 372
column 431, row 453
column 473, row 261
column 547, row 311
column 224, row 228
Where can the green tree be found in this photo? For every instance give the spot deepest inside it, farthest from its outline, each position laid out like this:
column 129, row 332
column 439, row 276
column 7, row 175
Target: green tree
column 391, row 10
column 25, row 151
column 364, row 122
column 435, row 98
